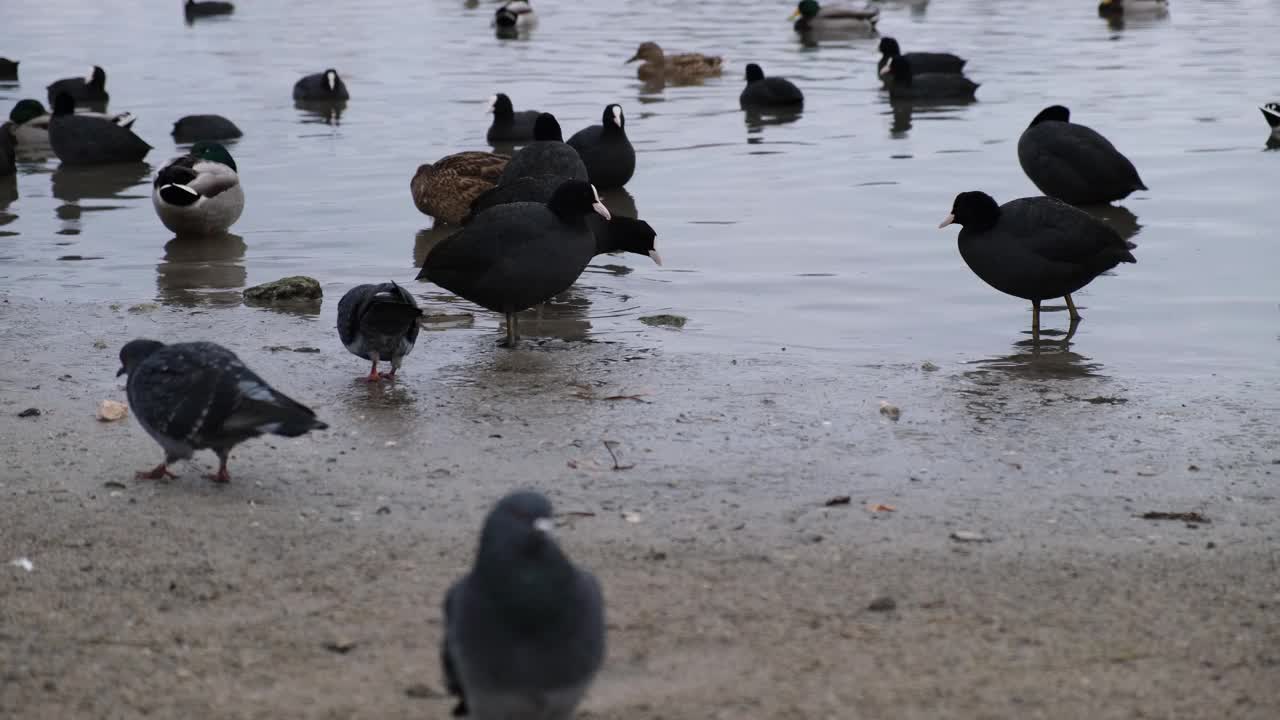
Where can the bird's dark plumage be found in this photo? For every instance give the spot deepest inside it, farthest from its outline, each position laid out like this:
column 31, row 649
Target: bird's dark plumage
column 606, row 151
column 207, row 8
column 1074, row 163
column 764, row 91
column 8, row 151
column 547, row 155
column 905, row 83
column 508, row 125
column 512, row 257
column 194, row 128
column 8, row 69
column 89, row 140
column 921, row 62
column 379, row 322
column 321, row 87
column 1035, row 248
column 197, row 395
column 537, row 188
column 525, row 629
column 91, row 91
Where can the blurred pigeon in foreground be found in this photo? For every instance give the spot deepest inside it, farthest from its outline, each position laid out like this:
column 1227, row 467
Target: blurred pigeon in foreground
column 192, row 396
column 379, row 322
column 524, row 630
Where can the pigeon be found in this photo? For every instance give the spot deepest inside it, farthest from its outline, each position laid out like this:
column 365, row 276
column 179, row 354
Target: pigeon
column 379, row 322
column 525, row 629
column 198, row 395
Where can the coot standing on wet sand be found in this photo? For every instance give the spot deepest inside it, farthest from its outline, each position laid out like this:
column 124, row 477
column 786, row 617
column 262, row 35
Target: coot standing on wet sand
column 513, row 257
column 1035, row 248
column 1073, row 162
column 767, row 92
column 548, row 154
column 606, row 151
column 84, row 91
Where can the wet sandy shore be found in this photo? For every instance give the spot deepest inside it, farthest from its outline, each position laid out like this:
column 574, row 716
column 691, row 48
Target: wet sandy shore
column 310, row 586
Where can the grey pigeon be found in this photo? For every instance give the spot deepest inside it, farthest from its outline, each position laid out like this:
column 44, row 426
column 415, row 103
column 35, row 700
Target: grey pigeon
column 525, row 629
column 90, row 91
column 91, row 140
column 379, row 322
column 546, row 155
column 198, row 395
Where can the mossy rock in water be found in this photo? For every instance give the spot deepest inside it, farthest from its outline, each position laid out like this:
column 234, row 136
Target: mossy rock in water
column 667, row 321
column 297, row 287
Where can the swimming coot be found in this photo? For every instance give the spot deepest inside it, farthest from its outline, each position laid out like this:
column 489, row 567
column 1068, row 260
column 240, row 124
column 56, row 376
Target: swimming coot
column 91, row 140
column 1074, row 163
column 1035, row 248
column 515, row 256
column 91, row 91
column 765, row 92
column 906, row 84
column 321, row 87
column 194, row 128
column 548, row 154
column 921, row 62
column 508, row 125
column 606, row 151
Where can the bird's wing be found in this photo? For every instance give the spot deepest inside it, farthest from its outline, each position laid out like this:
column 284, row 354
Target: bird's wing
column 1077, row 146
column 179, row 171
column 1059, row 232
column 254, row 406
column 212, row 178
column 350, row 307
column 473, row 164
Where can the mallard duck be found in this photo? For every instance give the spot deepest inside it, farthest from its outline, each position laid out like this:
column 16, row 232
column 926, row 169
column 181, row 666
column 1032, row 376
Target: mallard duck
column 321, row 87
column 1271, row 112
column 199, row 193
column 8, row 69
column 446, row 188
column 31, row 122
column 90, row 91
column 812, row 17
column 680, row 67
column 91, row 139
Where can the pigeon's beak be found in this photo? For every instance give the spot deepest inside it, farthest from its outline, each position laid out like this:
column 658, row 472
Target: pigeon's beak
column 121, row 371
column 656, row 257
column 544, row 525
column 947, row 221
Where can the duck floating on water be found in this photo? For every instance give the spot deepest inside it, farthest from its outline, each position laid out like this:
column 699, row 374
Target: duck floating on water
column 678, row 67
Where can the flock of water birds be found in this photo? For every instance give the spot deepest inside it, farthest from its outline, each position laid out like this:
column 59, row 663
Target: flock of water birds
column 525, row 629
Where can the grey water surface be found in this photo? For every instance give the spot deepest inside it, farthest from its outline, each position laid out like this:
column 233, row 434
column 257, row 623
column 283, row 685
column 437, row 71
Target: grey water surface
column 816, row 233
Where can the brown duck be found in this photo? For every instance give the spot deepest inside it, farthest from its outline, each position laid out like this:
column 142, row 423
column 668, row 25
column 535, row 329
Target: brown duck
column 446, row 188
column 681, row 67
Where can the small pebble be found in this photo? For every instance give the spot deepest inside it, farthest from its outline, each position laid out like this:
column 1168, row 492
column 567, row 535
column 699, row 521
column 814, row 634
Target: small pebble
column 883, row 604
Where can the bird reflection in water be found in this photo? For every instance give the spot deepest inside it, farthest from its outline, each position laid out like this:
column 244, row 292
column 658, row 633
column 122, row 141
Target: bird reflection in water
column 757, row 120
column 326, row 113
column 902, row 112
column 8, row 194
column 1018, row 385
column 1120, row 218
column 202, row 271
column 620, row 202
column 73, row 185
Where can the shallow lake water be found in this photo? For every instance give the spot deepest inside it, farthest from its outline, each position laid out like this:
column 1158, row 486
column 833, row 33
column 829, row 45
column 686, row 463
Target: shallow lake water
column 817, row 235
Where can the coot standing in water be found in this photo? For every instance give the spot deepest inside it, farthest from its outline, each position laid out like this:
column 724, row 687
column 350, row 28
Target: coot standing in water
column 1073, row 162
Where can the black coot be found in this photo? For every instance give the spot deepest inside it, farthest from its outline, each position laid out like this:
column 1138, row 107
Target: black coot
column 1035, row 248
column 548, row 154
column 765, row 92
column 606, row 151
column 508, row 125
column 921, row 62
column 91, row 139
column 321, row 87
column 91, row 91
column 515, row 256
column 905, row 83
column 1073, row 162
column 194, row 128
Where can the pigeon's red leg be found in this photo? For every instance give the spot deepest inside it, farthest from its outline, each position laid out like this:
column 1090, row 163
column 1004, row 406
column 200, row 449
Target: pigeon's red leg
column 159, row 472
column 389, row 375
column 373, row 373
column 222, row 476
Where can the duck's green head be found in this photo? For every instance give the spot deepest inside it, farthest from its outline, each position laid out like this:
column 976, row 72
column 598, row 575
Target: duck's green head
column 807, row 9
column 26, row 111
column 213, row 152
